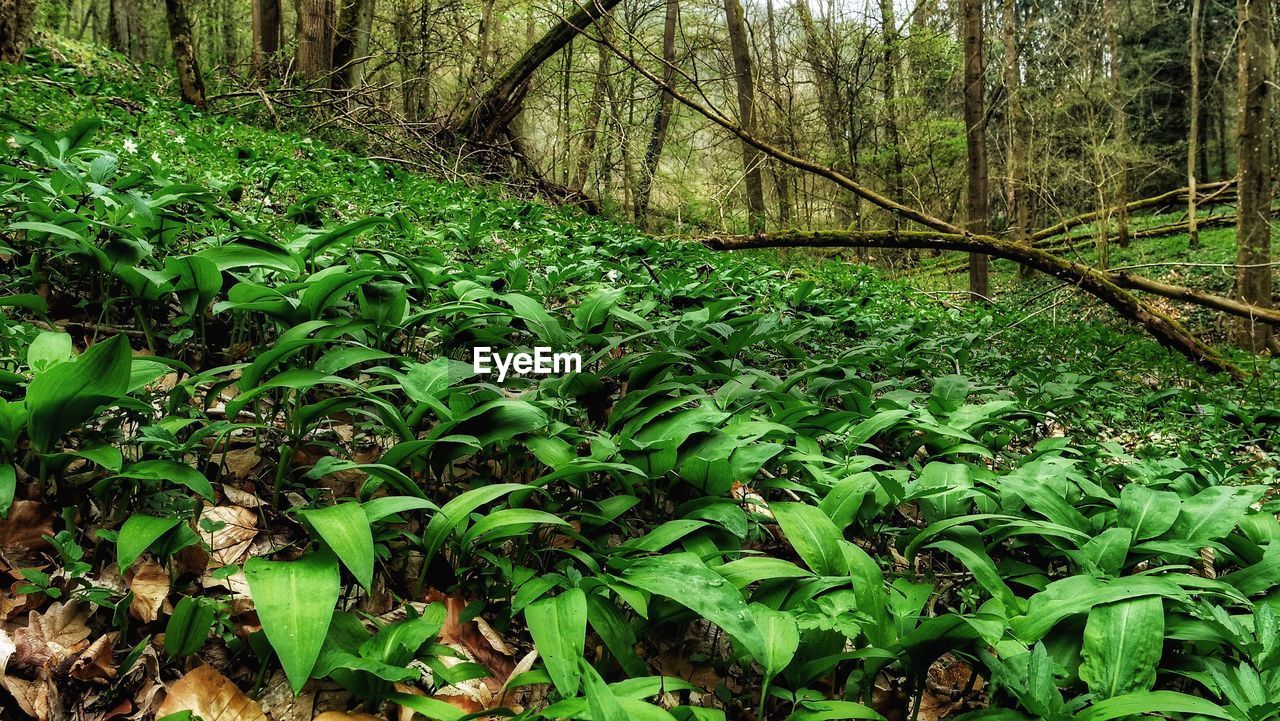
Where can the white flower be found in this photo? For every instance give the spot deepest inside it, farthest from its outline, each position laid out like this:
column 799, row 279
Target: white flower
column 180, row 139
column 155, row 157
column 307, row 141
column 130, row 146
column 612, row 276
column 12, row 141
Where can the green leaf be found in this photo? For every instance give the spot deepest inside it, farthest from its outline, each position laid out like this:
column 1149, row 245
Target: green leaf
column 48, row 349
column 595, row 308
column 685, row 579
column 1123, row 643
column 67, row 394
column 188, row 627
column 507, row 518
column 781, row 640
column 453, row 515
column 1213, row 512
column 346, row 530
column 813, row 535
column 179, row 473
column 295, row 601
column 559, row 629
column 1144, row 702
column 603, row 704
column 1147, row 511
column 8, row 487
column 536, row 319
column 137, row 534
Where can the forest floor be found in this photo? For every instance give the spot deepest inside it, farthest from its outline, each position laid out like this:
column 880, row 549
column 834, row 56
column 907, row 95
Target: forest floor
column 301, row 320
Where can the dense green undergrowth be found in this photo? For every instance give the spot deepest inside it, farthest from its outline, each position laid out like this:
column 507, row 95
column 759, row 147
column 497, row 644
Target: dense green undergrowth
column 235, row 363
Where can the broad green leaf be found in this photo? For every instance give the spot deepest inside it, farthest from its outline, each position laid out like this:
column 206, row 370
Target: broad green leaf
column 1123, row 643
column 1147, row 511
column 179, row 473
column 1160, row 702
column 600, row 699
column 1213, row 512
column 65, row 395
column 188, row 627
column 48, row 349
column 685, row 579
column 595, row 308
column 1078, row 594
column 453, row 515
column 559, row 629
column 833, row 711
column 8, row 487
column 781, row 639
column 536, row 319
column 137, row 534
column 346, row 530
column 814, row 537
column 294, row 601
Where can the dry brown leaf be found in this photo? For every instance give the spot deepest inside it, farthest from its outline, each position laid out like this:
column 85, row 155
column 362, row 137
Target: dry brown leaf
column 94, row 663
column 39, row 699
column 240, row 463
column 211, row 696
column 468, row 638
column 279, row 703
column 53, row 636
column 347, row 716
column 235, row 527
column 150, row 586
column 7, row 649
column 22, row 533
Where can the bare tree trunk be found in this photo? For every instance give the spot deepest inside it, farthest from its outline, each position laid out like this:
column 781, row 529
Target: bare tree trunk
column 975, row 123
column 591, row 128
column 229, row 28
column 847, row 205
column 189, row 80
column 487, row 117
column 351, row 41
column 782, row 92
column 124, row 28
column 16, row 21
column 1193, row 136
column 889, row 36
column 1253, row 152
column 315, row 38
column 1120, row 121
column 266, row 36
column 1017, row 206
column 661, row 116
column 746, row 90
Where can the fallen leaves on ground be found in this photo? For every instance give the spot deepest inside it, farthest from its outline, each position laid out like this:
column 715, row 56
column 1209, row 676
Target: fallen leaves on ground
column 211, row 696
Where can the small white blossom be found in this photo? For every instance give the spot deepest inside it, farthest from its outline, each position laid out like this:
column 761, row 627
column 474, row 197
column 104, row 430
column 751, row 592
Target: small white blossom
column 612, row 276
column 130, row 146
column 12, row 141
column 180, row 139
column 155, row 157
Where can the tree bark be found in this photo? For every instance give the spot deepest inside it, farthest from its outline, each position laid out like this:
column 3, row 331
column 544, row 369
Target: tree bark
column 124, row 28
column 1120, row 123
column 591, row 128
column 266, row 37
column 889, row 36
column 229, row 29
column 662, row 115
column 1017, row 206
column 315, row 38
column 1253, row 152
column 829, row 107
column 486, row 118
column 975, row 123
column 16, row 22
column 189, row 80
column 351, row 41
column 1193, row 136
column 740, row 48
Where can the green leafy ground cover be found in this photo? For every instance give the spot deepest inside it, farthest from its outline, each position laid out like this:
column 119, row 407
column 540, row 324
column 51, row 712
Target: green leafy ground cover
column 238, row 427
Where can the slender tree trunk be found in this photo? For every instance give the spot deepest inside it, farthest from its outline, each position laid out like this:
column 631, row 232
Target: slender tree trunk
column 1017, row 206
column 189, row 80
column 315, row 38
column 781, row 173
column 1253, row 153
column 1193, row 136
column 591, row 128
column 124, row 32
column 889, row 36
column 835, row 122
column 1120, row 122
column 229, row 29
column 350, row 41
column 16, row 21
column 975, row 123
column 487, row 117
column 662, row 115
column 740, row 48
column 266, row 37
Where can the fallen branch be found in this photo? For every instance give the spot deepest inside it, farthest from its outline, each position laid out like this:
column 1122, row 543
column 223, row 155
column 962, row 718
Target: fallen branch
column 1142, row 204
column 1091, row 280
column 1165, row 329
